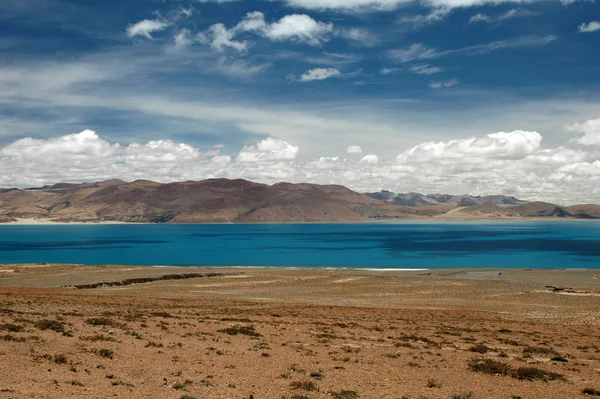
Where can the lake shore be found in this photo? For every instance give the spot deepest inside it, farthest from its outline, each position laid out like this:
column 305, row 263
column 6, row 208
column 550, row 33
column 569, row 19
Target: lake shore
column 312, row 333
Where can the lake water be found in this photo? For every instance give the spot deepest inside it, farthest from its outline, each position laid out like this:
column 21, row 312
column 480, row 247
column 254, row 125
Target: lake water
column 373, row 245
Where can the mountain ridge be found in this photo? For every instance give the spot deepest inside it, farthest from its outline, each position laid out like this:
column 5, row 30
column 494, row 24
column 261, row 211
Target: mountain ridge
column 242, row 201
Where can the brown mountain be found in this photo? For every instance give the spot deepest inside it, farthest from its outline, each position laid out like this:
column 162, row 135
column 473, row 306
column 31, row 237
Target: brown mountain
column 208, row 201
column 242, row 201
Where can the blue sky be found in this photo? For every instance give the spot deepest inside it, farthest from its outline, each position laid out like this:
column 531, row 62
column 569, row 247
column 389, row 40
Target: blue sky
column 300, row 81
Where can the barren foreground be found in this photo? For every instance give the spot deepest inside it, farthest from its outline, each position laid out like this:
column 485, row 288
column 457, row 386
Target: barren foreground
column 277, row 333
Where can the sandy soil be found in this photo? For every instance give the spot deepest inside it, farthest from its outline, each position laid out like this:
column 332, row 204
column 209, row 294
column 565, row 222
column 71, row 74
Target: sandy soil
column 298, row 333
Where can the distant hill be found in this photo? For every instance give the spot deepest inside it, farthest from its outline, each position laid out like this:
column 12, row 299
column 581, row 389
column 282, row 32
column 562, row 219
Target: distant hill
column 242, row 201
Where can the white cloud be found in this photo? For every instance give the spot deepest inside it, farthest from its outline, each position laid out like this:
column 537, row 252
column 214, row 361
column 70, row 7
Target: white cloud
column 294, row 27
column 299, row 27
column 590, row 130
column 386, row 5
column 370, row 158
column 500, row 163
column 269, row 149
column 145, row 28
column 480, row 18
column 589, row 27
column 388, row 71
column 510, row 14
column 361, row 35
column 420, row 52
column 415, row 52
column 220, row 38
column 513, row 145
column 436, row 14
column 437, row 84
column 183, row 39
column 425, row 69
column 319, row 74
column 354, row 149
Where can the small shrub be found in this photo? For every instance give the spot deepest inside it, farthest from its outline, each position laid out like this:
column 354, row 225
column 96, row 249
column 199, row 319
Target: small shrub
column 59, row 359
column 591, row 391
column 98, row 337
column 53, row 325
column 240, row 329
column 559, row 358
column 305, row 385
column 100, row 321
column 344, row 394
column 533, row 373
column 479, row 348
column 11, row 327
column 464, row 395
column 536, row 350
column 489, row 366
column 188, row 397
column 179, row 386
column 107, row 353
column 433, row 383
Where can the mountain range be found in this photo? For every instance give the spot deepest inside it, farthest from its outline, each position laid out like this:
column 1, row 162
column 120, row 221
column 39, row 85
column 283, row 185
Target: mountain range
column 242, row 201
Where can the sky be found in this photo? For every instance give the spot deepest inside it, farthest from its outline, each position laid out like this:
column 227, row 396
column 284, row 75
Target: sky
column 436, row 96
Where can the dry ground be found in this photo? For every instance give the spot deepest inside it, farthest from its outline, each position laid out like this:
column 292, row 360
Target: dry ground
column 277, row 333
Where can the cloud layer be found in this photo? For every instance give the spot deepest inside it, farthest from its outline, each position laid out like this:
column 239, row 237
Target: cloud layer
column 512, row 163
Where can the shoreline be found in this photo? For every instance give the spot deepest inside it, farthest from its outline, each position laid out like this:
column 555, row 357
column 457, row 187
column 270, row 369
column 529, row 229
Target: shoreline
column 46, row 222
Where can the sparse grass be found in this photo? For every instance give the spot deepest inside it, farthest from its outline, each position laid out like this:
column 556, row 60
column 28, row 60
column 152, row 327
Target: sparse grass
column 344, row 394
column 305, row 385
column 240, row 329
column 53, row 325
column 12, row 338
column 98, row 338
column 317, row 375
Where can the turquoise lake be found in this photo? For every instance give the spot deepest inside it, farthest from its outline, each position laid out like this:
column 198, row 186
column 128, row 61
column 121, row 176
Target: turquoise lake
column 370, row 245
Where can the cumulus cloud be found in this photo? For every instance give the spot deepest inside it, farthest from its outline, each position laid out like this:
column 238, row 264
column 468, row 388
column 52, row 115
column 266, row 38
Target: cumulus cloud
column 386, row 5
column 370, row 158
column 354, row 149
column 319, row 74
column 269, row 149
column 590, row 130
column 300, row 27
column 511, row 163
column 513, row 145
column 146, row 27
column 589, row 27
column 293, row 27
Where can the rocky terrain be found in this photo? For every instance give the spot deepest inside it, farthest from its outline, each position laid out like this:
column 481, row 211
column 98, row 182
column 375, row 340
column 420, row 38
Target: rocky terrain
column 242, row 201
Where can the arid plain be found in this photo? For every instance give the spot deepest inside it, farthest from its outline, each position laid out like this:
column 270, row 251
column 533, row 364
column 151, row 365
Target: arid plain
column 297, row 333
